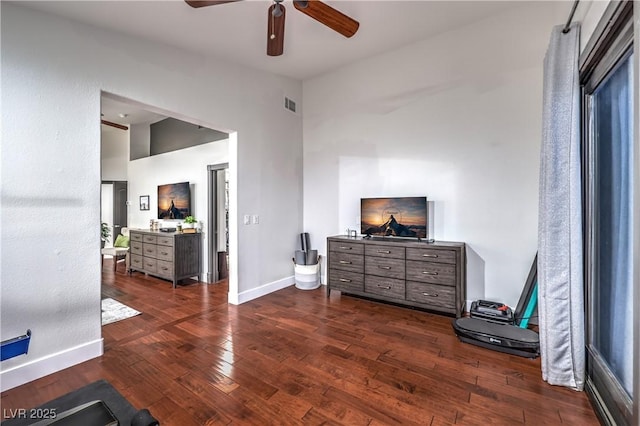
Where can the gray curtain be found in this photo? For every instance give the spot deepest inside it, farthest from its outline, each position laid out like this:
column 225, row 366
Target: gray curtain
column 560, row 250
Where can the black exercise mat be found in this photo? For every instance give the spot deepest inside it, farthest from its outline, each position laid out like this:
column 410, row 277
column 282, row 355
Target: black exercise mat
column 100, row 390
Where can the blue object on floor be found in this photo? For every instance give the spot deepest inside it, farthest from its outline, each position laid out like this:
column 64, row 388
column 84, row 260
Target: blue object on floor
column 531, row 306
column 14, row 347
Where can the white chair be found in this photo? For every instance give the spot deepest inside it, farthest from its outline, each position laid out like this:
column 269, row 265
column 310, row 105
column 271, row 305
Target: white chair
column 118, row 253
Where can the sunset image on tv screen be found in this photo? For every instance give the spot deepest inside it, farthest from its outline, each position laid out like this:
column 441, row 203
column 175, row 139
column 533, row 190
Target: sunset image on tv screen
column 174, row 201
column 397, row 217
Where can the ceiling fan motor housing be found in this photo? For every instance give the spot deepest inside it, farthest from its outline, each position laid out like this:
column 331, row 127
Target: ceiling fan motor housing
column 316, row 9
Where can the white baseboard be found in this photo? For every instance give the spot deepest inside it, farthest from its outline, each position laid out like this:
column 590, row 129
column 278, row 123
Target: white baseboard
column 468, row 306
column 41, row 367
column 265, row 289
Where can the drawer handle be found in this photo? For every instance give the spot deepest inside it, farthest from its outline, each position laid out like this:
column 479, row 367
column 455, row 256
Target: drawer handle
column 149, row 251
column 430, row 294
column 384, row 251
column 386, row 287
column 430, row 255
column 345, row 262
column 429, row 273
column 346, row 248
column 384, row 267
column 164, row 253
column 344, row 280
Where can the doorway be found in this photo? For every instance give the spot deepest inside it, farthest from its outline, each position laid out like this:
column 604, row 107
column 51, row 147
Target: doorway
column 114, row 207
column 138, row 163
column 218, row 222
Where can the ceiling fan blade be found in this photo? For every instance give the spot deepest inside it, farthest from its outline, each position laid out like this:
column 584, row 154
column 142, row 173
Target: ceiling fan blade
column 203, row 3
column 328, row 16
column 275, row 32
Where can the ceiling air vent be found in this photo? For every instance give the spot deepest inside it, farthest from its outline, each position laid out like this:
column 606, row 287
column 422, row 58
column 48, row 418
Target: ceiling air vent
column 289, row 104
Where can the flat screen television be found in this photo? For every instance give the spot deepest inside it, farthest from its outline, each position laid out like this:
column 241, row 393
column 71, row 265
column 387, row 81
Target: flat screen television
column 174, row 201
column 394, row 217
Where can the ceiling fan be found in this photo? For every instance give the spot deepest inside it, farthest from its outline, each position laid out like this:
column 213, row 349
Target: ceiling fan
column 316, row 9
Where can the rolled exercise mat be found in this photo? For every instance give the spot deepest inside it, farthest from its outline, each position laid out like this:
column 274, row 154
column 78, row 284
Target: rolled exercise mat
column 300, row 257
column 144, row 418
column 312, row 257
column 305, row 242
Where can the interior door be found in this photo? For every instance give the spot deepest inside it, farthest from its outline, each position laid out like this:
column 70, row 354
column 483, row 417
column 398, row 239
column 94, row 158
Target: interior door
column 120, row 207
column 218, row 243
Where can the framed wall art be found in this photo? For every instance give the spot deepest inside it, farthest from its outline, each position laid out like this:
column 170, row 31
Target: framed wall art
column 144, row 202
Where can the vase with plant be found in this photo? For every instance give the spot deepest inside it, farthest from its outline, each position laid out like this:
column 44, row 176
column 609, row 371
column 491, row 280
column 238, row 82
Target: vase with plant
column 189, row 222
column 105, row 233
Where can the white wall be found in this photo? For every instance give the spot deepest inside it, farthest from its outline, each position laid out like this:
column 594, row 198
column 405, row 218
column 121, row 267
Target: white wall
column 456, row 118
column 114, row 154
column 54, row 69
column 140, row 140
column 185, row 165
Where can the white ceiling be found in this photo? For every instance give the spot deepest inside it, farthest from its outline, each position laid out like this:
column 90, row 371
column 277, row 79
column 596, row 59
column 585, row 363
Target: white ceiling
column 125, row 113
column 237, row 32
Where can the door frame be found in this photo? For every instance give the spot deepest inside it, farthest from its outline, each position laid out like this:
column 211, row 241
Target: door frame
column 608, row 44
column 116, row 185
column 213, row 271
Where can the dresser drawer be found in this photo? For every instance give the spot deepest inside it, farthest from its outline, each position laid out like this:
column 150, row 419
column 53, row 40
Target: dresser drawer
column 384, row 251
column 134, row 236
column 436, row 296
column 346, row 247
column 347, row 281
column 430, row 272
column 136, row 261
column 347, row 262
column 431, row 255
column 151, row 239
column 135, row 247
column 165, row 241
column 150, row 250
column 164, row 253
column 164, row 268
column 384, row 267
column 388, row 287
column 149, row 264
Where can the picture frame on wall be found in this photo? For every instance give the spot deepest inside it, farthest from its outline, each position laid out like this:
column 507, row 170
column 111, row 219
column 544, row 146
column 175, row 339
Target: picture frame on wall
column 144, row 202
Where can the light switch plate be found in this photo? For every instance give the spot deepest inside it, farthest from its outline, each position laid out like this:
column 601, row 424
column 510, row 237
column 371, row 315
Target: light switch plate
column 247, row 219
column 256, row 219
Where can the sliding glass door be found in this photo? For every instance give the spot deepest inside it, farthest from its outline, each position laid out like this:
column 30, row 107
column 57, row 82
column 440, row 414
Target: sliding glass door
column 608, row 161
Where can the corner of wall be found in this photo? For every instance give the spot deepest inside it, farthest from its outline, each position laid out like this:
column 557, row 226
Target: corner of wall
column 263, row 290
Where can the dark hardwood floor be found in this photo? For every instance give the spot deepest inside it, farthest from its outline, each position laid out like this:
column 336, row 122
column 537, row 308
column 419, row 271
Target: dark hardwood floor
column 298, row 357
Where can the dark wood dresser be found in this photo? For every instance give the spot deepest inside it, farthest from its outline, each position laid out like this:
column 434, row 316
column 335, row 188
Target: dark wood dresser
column 408, row 272
column 169, row 255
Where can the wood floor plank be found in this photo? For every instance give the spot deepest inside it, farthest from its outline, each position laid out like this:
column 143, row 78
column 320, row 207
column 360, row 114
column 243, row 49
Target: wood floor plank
column 300, row 358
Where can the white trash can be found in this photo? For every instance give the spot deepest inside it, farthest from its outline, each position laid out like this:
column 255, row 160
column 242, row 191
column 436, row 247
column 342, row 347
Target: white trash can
column 307, row 277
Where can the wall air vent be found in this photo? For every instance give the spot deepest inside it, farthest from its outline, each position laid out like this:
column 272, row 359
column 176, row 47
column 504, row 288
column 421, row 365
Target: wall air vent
column 289, row 104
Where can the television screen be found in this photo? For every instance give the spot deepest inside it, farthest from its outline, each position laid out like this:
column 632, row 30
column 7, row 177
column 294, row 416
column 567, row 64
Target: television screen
column 174, row 201
column 394, row 217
